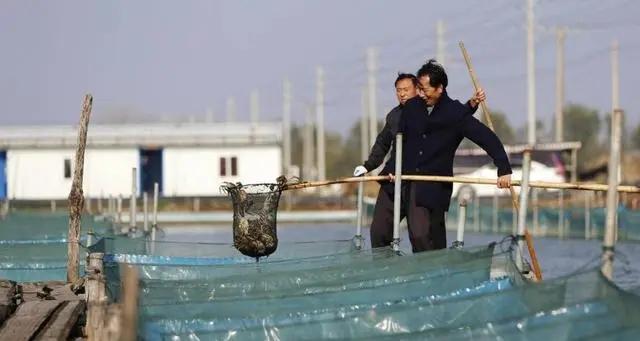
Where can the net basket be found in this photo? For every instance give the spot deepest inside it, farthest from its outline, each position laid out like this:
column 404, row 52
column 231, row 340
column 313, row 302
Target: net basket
column 255, row 208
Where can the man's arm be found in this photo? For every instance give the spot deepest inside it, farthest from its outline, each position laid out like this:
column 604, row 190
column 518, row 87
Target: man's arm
column 380, row 148
column 481, row 135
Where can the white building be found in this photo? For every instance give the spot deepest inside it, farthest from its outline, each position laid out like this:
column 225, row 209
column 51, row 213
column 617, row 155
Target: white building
column 192, row 159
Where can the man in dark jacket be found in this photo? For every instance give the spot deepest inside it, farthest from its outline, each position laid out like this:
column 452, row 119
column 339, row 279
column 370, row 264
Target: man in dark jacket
column 419, row 218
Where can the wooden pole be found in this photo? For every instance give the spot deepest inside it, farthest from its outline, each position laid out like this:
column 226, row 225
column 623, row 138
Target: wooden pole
column 96, row 297
column 485, row 110
column 468, row 180
column 76, row 198
column 130, row 304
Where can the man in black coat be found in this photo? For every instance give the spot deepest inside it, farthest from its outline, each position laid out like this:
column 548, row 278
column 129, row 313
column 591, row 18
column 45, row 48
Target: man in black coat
column 420, row 218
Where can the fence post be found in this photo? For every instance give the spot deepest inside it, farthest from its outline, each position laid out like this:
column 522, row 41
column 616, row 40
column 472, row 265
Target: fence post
column 608, row 244
column 494, row 220
column 360, row 202
column 154, row 224
column 587, row 215
column 132, row 201
column 145, row 208
column 397, row 194
column 561, row 230
column 536, row 211
column 462, row 217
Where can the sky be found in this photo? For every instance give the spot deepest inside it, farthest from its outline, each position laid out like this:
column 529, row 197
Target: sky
column 176, row 60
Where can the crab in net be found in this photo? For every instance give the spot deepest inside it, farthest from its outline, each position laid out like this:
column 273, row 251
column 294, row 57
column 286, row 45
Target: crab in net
column 255, row 207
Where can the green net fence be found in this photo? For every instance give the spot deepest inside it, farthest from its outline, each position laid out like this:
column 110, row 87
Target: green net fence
column 473, row 293
column 33, row 246
column 569, row 222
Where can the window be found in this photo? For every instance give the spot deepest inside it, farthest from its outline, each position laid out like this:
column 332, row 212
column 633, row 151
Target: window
column 67, row 168
column 223, row 166
column 234, row 166
column 232, row 163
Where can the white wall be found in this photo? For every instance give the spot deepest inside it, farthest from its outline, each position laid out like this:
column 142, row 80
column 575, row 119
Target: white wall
column 39, row 174
column 196, row 171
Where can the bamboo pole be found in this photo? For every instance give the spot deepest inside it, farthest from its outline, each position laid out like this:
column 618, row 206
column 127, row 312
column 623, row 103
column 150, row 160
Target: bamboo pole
column 467, row 180
column 76, row 197
column 487, row 115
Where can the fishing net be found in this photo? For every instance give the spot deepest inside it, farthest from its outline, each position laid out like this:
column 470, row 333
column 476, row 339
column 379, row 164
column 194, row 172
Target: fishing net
column 255, row 207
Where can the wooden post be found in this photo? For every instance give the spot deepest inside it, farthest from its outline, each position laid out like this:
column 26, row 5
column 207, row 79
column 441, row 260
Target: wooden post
column 129, row 304
column 53, row 206
column 76, row 198
column 96, row 296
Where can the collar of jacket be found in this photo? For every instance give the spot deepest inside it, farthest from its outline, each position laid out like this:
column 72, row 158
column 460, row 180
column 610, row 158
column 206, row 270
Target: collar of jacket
column 444, row 99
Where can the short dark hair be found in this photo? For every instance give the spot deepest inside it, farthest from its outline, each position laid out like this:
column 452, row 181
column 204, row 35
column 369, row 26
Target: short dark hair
column 410, row 76
column 436, row 73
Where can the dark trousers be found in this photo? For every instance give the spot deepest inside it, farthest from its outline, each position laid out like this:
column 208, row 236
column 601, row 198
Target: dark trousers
column 426, row 226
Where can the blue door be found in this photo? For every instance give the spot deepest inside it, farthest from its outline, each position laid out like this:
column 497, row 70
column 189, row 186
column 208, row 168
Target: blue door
column 3, row 175
column 151, row 169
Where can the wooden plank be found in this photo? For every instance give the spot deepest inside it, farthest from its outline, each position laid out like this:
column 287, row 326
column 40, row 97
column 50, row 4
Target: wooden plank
column 27, row 320
column 62, row 321
column 7, row 305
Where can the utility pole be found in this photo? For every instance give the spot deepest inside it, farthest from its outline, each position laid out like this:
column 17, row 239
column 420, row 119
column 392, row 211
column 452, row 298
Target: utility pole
column 255, row 106
column 231, row 109
column 615, row 77
column 307, row 147
column 371, row 85
column 364, row 140
column 320, row 158
column 531, row 77
column 286, row 126
column 561, row 33
column 440, row 44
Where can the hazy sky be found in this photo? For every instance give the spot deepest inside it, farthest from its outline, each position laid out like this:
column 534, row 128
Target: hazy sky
column 167, row 59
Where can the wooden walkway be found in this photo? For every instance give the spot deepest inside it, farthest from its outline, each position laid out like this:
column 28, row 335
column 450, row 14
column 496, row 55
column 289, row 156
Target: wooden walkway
column 47, row 311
